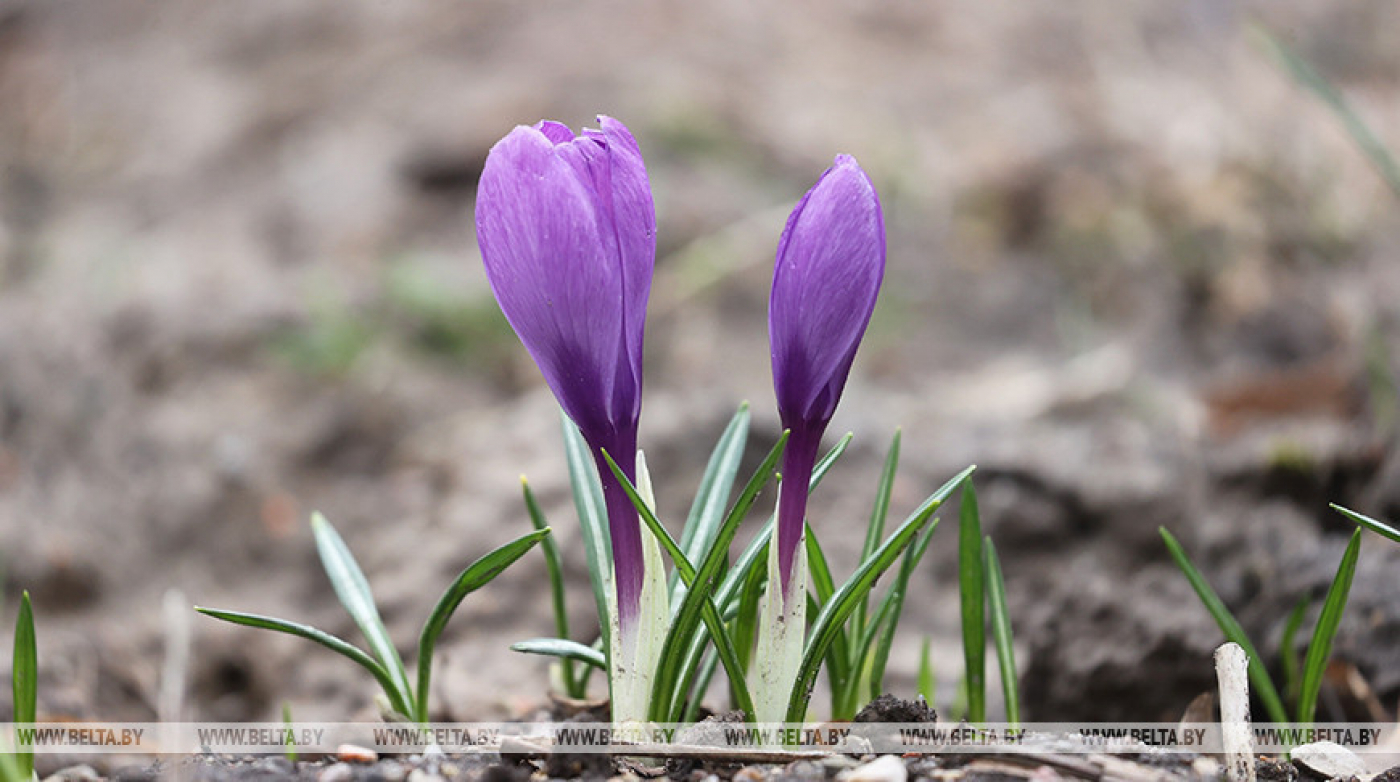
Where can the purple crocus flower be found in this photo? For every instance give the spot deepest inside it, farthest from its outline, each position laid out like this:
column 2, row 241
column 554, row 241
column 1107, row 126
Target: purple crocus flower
column 831, row 259
column 567, row 231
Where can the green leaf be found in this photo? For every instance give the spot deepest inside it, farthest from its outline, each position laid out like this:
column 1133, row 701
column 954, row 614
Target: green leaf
column 574, row 687
column 593, row 521
column 1001, row 633
column 1305, row 74
column 563, row 648
column 895, row 598
column 972, row 586
column 1258, row 676
column 875, row 530
column 1378, row 527
column 344, row 648
column 290, row 753
column 353, row 590
column 928, row 683
column 1320, row 648
column 674, row 650
column 838, row 666
column 24, row 677
column 711, row 498
column 713, row 623
column 475, row 576
column 1288, row 650
column 843, row 603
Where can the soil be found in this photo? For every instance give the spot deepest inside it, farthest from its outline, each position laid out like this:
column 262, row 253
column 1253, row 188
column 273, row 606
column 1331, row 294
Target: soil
column 1136, row 275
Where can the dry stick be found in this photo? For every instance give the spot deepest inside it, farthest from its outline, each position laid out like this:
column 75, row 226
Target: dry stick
column 1232, row 670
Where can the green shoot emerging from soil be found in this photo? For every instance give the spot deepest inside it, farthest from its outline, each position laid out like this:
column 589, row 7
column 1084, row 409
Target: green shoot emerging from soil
column 1309, row 684
column 404, row 701
column 24, row 679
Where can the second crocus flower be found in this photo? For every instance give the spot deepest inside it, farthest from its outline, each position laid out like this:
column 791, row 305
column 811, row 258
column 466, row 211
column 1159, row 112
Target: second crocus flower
column 830, row 263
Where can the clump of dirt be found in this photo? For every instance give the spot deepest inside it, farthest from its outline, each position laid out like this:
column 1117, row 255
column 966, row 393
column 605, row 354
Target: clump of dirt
column 888, row 708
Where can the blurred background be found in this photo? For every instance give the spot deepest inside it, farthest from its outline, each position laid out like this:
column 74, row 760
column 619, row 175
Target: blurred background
column 1137, row 273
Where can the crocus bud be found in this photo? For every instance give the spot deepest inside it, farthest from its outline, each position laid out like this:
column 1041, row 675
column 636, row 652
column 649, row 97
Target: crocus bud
column 567, row 231
column 831, row 259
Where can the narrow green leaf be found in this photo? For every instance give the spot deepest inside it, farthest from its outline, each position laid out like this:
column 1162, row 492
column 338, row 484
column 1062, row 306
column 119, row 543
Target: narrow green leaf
column 972, row 589
column 573, row 685
column 928, row 683
column 839, row 661
column 353, row 590
column 875, row 530
column 290, row 753
column 712, row 496
column 343, row 648
column 1320, row 648
column 1365, row 139
column 24, row 677
column 593, row 521
column 895, row 598
column 1001, row 633
column 863, row 652
column 713, row 623
column 1258, row 675
column 706, row 672
column 674, row 649
column 564, row 649
column 1288, row 649
column 827, row 462
column 839, row 608
column 1378, row 527
column 475, row 576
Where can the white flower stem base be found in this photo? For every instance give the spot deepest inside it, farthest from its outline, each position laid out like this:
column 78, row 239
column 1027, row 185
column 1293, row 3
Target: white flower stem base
column 782, row 628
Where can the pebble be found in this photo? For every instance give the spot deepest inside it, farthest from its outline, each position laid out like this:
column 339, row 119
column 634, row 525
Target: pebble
column 338, row 772
column 82, row 773
column 419, row 775
column 1331, row 760
column 750, row 774
column 886, row 768
column 351, row 753
column 835, row 763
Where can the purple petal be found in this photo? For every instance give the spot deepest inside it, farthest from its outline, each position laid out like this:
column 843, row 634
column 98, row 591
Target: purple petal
column 552, row 268
column 830, row 263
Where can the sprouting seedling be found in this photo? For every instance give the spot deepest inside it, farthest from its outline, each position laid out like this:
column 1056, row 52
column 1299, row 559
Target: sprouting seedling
column 1319, row 648
column 405, row 700
column 24, row 679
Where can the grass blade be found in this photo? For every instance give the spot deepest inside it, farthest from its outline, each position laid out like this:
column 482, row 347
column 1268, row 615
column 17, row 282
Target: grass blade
column 875, row 530
column 1305, row 74
column 24, row 677
column 475, row 576
column 838, row 666
column 1001, row 633
column 972, row 589
column 928, row 683
column 592, row 519
column 708, row 614
column 564, row 649
column 1320, row 648
column 1288, row 650
column 1378, row 527
column 573, row 686
column 839, row 608
column 674, row 651
column 712, row 496
column 1230, row 626
column 895, row 598
column 343, row 648
column 353, row 590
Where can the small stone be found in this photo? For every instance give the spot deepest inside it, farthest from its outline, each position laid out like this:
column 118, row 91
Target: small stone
column 886, row 768
column 835, row 763
column 82, row 773
column 419, row 775
column 750, row 774
column 392, row 771
column 338, row 772
column 351, row 753
column 1329, row 759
